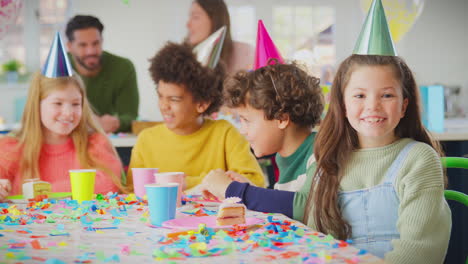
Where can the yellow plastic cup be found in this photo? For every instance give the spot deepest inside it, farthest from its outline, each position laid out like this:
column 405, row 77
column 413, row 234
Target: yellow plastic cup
column 82, row 184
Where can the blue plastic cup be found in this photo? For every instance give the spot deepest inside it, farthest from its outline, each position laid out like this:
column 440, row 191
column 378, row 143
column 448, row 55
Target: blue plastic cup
column 162, row 201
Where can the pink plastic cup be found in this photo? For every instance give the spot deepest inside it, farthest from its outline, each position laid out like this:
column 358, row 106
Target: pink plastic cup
column 172, row 177
column 142, row 176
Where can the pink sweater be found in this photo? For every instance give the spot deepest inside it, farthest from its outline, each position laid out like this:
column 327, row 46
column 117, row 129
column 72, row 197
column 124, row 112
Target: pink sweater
column 56, row 160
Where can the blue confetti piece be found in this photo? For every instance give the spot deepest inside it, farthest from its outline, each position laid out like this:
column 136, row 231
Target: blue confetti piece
column 228, row 239
column 85, row 257
column 60, row 234
column 16, row 249
column 60, row 227
column 115, row 213
column 113, row 258
column 54, row 261
column 94, row 208
column 86, row 221
column 24, row 258
column 26, row 230
column 362, row 252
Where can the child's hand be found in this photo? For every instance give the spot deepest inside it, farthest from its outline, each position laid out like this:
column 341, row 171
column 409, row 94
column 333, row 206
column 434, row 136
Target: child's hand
column 5, row 188
column 215, row 183
column 237, row 177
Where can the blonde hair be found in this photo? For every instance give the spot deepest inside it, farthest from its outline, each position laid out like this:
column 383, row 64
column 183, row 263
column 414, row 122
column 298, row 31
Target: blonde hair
column 31, row 136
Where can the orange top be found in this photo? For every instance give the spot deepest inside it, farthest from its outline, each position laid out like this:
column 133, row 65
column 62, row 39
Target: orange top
column 56, row 160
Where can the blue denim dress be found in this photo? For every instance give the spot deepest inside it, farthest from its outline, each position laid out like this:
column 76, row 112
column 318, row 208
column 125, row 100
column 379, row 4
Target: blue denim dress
column 373, row 212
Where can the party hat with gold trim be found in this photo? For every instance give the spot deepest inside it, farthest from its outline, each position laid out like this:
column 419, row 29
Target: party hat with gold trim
column 208, row 51
column 375, row 37
column 57, row 63
column 265, row 48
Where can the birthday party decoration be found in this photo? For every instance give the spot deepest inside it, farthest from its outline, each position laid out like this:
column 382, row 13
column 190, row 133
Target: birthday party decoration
column 65, row 231
column 375, row 38
column 57, row 63
column 9, row 12
column 401, row 15
column 265, row 48
column 209, row 51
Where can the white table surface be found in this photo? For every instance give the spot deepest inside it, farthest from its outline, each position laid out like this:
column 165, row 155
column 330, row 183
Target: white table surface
column 140, row 241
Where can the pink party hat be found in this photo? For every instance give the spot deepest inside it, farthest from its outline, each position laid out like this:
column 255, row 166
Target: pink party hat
column 265, row 48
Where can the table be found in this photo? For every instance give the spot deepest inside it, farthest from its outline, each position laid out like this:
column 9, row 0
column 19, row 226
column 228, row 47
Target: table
column 113, row 230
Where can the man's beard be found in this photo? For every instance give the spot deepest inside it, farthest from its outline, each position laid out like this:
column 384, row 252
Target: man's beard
column 89, row 68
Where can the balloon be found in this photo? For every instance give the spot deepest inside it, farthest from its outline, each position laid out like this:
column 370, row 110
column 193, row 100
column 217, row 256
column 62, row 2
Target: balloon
column 401, row 15
column 9, row 12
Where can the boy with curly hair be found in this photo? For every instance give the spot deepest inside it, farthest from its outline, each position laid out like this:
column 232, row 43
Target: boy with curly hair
column 187, row 141
column 278, row 105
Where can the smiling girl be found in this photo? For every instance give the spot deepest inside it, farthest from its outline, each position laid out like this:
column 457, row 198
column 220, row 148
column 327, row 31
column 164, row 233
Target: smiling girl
column 58, row 133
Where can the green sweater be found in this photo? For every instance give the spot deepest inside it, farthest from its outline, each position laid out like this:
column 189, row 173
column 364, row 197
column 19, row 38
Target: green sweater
column 293, row 168
column 114, row 90
column 424, row 220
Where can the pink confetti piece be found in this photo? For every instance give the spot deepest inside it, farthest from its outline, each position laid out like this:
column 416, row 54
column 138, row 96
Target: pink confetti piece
column 125, row 250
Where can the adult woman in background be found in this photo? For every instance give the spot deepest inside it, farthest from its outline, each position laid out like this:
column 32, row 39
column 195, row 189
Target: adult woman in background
column 207, row 16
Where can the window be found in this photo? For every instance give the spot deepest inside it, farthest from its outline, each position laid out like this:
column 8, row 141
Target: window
column 35, row 27
column 53, row 17
column 11, row 44
column 303, row 32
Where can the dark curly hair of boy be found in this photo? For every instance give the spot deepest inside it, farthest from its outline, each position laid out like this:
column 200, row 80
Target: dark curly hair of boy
column 176, row 63
column 278, row 89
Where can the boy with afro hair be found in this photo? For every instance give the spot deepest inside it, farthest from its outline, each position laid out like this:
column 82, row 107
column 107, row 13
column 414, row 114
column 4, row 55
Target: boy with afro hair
column 187, row 141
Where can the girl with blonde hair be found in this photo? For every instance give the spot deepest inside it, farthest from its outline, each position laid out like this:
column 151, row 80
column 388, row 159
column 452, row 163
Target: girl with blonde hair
column 58, row 133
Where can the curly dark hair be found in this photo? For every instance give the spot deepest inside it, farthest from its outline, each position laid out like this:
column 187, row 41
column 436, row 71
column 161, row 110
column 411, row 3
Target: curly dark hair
column 176, row 63
column 278, row 89
column 82, row 22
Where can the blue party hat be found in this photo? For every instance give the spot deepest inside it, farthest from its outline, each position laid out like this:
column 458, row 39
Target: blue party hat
column 57, row 63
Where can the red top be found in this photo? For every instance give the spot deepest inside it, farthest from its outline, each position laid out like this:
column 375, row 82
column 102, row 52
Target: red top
column 56, row 160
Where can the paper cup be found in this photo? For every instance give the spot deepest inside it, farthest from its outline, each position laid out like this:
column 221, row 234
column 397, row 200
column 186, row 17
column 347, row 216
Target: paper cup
column 161, row 201
column 82, row 184
column 142, row 176
column 176, row 177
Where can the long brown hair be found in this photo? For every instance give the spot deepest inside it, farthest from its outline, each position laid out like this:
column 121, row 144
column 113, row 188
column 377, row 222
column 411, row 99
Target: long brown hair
column 336, row 140
column 30, row 136
column 219, row 15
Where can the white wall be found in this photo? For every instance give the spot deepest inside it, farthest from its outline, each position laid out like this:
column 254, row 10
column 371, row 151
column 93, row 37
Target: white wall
column 435, row 48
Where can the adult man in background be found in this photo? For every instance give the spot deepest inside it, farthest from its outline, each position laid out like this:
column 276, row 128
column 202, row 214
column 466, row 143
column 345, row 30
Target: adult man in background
column 110, row 80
